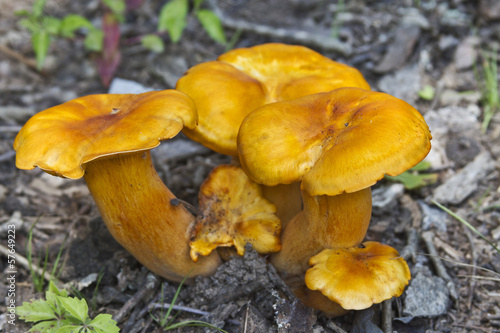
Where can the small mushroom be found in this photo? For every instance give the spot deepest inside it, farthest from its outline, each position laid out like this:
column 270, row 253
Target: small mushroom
column 233, row 213
column 106, row 139
column 227, row 90
column 337, row 144
column 358, row 277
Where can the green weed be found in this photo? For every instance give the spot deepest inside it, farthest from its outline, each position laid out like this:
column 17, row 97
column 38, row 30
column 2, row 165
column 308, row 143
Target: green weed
column 489, row 86
column 60, row 313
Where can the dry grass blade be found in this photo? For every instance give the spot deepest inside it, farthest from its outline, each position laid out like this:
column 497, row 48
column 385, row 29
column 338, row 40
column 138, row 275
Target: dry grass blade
column 467, row 224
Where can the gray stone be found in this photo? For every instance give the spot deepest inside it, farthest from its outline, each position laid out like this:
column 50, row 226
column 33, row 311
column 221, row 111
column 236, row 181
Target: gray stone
column 466, row 53
column 403, row 84
column 462, row 184
column 178, row 149
column 452, row 97
column 446, row 42
column 385, row 198
column 448, row 122
column 400, row 48
column 427, row 296
column 362, row 322
column 123, row 86
column 432, row 217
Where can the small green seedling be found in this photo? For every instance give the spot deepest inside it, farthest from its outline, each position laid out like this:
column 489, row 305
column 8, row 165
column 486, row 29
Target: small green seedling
column 44, row 28
column 489, row 87
column 62, row 314
column 173, row 19
column 166, row 321
column 36, row 276
column 427, row 93
column 415, row 178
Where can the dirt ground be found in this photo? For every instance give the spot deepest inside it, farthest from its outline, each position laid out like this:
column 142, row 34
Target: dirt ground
column 400, row 46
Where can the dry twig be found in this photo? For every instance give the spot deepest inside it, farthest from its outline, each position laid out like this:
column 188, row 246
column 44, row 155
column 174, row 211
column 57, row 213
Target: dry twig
column 387, row 316
column 428, row 238
column 13, row 54
column 151, row 283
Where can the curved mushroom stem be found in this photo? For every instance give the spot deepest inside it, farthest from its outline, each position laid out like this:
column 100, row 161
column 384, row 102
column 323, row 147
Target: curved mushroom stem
column 326, row 222
column 135, row 205
column 287, row 200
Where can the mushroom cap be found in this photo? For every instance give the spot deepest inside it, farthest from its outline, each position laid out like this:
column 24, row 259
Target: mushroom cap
column 61, row 139
column 233, row 212
column 339, row 141
column 355, row 277
column 239, row 81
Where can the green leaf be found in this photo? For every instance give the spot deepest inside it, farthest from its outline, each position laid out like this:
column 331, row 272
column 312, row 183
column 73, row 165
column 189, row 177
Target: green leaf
column 41, row 43
column 73, row 22
column 71, row 328
column 22, row 12
column 427, row 93
column 118, row 7
column 77, row 308
column 29, row 25
column 104, row 323
column 52, row 24
column 94, row 40
column 44, row 326
column 212, row 25
column 51, row 295
column 153, row 43
column 173, row 18
column 35, row 310
column 59, row 292
column 422, row 166
column 413, row 180
column 38, row 7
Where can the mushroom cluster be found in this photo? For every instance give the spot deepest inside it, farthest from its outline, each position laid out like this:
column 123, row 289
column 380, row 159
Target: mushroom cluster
column 308, row 140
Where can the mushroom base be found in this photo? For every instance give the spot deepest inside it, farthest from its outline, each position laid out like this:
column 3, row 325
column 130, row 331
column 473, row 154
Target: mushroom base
column 136, row 207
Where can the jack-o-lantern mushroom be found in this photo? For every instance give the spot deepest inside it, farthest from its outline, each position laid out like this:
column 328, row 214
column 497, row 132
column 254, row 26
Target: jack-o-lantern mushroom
column 106, row 139
column 337, row 144
column 227, row 90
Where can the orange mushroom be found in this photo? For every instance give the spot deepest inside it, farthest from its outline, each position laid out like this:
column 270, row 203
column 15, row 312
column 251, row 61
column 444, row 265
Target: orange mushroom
column 356, row 277
column 106, row 139
column 337, row 144
column 233, row 213
column 227, row 90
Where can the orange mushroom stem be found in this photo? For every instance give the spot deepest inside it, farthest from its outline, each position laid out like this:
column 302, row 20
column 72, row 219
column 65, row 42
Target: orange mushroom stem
column 106, row 139
column 326, row 222
column 136, row 207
